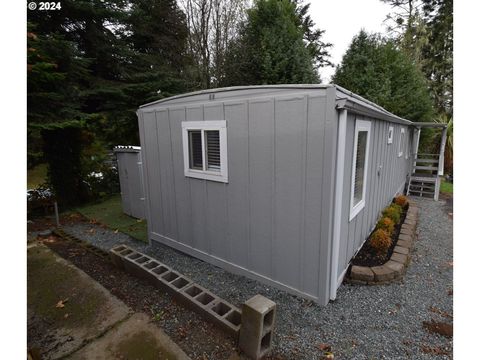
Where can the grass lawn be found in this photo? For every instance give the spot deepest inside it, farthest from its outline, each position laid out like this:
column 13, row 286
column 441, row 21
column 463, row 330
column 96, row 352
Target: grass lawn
column 446, row 187
column 109, row 213
column 36, row 176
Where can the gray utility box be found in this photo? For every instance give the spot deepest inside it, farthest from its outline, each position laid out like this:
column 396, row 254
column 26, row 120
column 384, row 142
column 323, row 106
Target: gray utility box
column 129, row 160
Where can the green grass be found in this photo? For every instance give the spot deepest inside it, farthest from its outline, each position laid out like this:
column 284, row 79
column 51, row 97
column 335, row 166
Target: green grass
column 110, row 213
column 446, row 187
column 36, row 176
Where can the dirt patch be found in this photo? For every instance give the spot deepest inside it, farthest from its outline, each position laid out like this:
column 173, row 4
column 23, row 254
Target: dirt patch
column 440, row 328
column 368, row 256
column 64, row 306
column 184, row 327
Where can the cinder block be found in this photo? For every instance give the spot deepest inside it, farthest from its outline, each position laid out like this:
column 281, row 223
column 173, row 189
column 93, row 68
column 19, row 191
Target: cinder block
column 133, row 264
column 116, row 255
column 258, row 322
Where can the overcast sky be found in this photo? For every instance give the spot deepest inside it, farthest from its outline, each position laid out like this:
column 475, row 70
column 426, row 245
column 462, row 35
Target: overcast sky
column 342, row 19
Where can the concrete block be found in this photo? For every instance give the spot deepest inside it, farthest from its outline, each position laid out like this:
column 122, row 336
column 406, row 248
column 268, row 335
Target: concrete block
column 396, row 267
column 117, row 254
column 258, row 322
column 406, row 231
column 363, row 273
column 405, row 244
column 383, row 273
column 400, row 258
column 400, row 250
column 405, row 237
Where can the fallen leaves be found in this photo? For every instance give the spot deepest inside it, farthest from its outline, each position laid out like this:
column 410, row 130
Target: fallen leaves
column 440, row 328
column 435, row 350
column 440, row 312
column 61, row 303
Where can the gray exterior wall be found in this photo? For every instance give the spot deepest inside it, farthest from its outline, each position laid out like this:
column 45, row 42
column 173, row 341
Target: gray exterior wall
column 131, row 182
column 272, row 220
column 387, row 174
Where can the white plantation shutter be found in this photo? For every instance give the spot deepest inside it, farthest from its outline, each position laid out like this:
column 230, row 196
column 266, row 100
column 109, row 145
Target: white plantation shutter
column 195, row 149
column 205, row 150
column 360, row 167
column 212, row 138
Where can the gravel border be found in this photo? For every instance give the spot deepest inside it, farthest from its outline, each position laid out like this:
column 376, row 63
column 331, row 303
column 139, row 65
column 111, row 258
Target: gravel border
column 381, row 322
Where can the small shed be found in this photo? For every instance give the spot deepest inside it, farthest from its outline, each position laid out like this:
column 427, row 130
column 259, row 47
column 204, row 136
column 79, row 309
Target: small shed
column 280, row 183
column 129, row 161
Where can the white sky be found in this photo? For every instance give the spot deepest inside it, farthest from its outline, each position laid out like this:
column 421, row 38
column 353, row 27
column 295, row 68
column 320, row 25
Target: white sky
column 342, row 19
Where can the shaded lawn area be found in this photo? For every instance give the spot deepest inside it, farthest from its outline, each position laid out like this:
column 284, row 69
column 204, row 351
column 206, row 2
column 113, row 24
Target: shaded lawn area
column 110, row 213
column 36, row 176
column 446, row 187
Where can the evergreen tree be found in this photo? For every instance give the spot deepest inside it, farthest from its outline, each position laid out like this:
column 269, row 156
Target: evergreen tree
column 277, row 45
column 438, row 53
column 376, row 69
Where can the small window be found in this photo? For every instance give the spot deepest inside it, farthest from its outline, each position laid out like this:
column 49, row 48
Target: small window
column 205, row 149
column 407, row 145
column 390, row 135
column 401, row 142
column 360, row 167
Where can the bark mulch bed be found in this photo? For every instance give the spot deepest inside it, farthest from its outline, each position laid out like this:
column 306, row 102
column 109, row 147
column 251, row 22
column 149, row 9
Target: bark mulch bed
column 367, row 256
column 198, row 338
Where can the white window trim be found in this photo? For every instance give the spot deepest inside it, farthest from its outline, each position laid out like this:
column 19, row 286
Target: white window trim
column 407, row 145
column 401, row 142
column 390, row 135
column 360, row 125
column 221, row 126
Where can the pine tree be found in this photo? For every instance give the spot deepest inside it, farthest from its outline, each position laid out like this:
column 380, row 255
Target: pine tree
column 375, row 68
column 277, row 44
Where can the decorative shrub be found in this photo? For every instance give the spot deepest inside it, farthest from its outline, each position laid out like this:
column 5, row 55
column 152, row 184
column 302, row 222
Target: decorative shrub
column 380, row 241
column 387, row 224
column 394, row 212
column 401, row 200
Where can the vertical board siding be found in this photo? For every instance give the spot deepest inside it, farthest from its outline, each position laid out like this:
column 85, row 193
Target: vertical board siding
column 381, row 188
column 237, row 189
column 166, row 174
column 261, row 173
column 182, row 184
column 216, row 199
column 150, row 147
column 290, row 135
column 267, row 218
column 197, row 195
column 313, row 202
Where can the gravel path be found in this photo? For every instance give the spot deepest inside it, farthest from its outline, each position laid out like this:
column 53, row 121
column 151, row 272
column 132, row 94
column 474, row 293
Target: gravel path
column 381, row 322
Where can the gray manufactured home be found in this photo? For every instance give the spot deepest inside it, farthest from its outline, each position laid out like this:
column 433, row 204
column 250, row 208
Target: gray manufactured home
column 281, row 183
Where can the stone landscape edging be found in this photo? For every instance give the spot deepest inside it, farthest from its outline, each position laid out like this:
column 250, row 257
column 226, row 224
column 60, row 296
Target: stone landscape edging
column 394, row 269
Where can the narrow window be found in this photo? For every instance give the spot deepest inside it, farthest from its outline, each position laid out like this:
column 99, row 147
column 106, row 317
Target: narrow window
column 360, row 167
column 205, row 150
column 401, row 142
column 390, row 135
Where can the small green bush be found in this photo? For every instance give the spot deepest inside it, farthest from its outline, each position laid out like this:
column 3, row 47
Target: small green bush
column 380, row 241
column 387, row 224
column 401, row 200
column 394, row 212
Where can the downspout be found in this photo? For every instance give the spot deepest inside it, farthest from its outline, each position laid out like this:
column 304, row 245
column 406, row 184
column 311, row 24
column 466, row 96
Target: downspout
column 340, row 165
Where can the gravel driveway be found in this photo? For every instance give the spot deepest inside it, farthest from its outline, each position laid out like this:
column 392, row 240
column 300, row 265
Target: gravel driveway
column 365, row 322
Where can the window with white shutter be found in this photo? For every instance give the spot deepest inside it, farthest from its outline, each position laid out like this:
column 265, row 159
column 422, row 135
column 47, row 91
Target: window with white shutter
column 205, row 149
column 359, row 167
column 401, row 142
